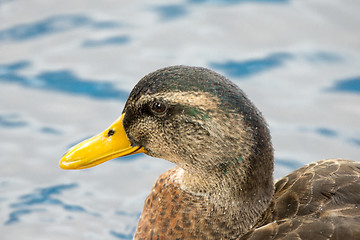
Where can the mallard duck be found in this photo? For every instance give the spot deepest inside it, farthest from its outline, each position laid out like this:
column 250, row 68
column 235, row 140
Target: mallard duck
column 222, row 186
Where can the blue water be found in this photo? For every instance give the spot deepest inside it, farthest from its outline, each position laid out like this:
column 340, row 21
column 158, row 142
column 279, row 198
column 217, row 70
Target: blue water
column 62, row 80
column 51, row 25
column 32, row 202
column 170, row 12
column 242, row 69
column 66, row 69
column 351, row 85
column 11, row 121
column 115, row 40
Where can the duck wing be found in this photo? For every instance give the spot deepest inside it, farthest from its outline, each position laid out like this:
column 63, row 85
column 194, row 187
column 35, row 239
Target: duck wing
column 318, row 201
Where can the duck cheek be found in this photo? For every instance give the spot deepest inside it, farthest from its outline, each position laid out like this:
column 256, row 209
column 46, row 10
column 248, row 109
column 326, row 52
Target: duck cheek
column 160, row 148
column 138, row 134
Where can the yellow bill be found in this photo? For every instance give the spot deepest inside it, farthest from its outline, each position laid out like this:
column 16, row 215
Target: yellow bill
column 110, row 144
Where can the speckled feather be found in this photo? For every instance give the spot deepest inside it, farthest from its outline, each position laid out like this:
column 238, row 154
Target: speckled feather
column 318, row 201
column 168, row 210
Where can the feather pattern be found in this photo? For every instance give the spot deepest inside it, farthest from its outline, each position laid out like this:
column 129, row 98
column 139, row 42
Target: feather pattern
column 318, row 201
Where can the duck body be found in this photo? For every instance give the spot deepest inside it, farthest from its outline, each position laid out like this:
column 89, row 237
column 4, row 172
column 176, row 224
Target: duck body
column 222, row 187
column 318, row 201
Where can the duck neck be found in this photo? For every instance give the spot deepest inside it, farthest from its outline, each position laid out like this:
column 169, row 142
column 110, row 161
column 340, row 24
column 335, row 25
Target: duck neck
column 185, row 205
column 236, row 196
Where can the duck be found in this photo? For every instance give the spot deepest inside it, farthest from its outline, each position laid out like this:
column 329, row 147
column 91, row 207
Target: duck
column 222, row 186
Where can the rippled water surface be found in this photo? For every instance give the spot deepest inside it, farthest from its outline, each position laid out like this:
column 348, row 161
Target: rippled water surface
column 66, row 69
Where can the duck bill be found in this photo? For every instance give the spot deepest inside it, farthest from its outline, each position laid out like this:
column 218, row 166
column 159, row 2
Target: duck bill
column 110, row 144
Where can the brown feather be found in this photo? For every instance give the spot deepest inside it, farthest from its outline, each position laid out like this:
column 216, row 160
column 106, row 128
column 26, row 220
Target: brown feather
column 317, row 201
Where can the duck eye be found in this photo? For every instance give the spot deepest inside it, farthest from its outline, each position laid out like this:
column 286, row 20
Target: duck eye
column 158, row 107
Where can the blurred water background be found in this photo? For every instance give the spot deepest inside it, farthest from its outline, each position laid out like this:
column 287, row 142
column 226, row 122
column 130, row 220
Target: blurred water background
column 66, row 68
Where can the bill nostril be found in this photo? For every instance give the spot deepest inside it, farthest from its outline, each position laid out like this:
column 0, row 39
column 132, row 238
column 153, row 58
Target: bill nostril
column 110, row 132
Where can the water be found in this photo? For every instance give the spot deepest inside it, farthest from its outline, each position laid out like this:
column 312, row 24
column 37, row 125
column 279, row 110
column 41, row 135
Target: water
column 66, row 68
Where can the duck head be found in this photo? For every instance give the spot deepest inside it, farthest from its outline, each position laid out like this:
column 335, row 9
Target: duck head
column 190, row 116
